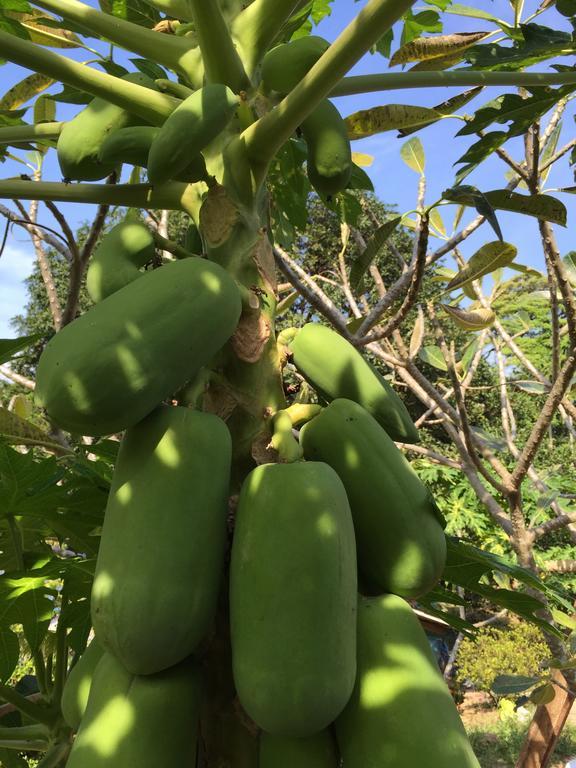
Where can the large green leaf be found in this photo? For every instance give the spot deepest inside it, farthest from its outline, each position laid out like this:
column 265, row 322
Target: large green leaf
column 465, row 194
column 544, row 207
column 448, row 107
column 488, row 258
column 9, row 347
column 423, row 48
column 9, row 653
column 390, row 117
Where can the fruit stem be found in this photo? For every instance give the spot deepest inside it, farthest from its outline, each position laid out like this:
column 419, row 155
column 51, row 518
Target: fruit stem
column 144, row 102
column 174, row 52
column 283, row 440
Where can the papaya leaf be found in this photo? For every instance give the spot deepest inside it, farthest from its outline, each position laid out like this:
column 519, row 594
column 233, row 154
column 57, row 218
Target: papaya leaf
column 9, row 653
column 373, row 247
column 504, row 685
column 544, row 207
column 412, row 152
column 448, row 107
column 465, row 194
column 368, row 122
column 9, row 347
column 487, row 259
column 434, row 357
column 25, row 90
column 470, row 320
column 423, row 48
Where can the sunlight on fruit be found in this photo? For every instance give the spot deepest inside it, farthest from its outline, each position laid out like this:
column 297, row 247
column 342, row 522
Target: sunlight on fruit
column 167, row 451
column 132, row 368
column 115, row 720
column 325, row 525
column 124, row 493
column 103, row 586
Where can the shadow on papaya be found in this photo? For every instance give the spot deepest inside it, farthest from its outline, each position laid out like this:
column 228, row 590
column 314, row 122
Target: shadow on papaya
column 401, row 712
column 336, row 369
column 399, row 536
column 144, row 721
column 168, row 505
column 109, row 368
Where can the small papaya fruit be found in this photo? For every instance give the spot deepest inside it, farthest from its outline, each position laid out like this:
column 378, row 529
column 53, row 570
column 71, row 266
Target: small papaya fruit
column 401, row 542
column 286, row 64
column 193, row 240
column 192, row 126
column 112, row 366
column 145, row 721
column 168, row 504
column 329, row 163
column 77, row 686
column 292, row 598
column 81, row 138
column 401, row 714
column 317, row 751
column 336, row 369
column 118, row 259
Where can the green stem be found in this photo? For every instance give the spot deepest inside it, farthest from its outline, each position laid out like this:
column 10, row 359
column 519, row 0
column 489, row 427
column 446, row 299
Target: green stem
column 169, row 245
column 21, row 745
column 170, row 50
column 221, row 60
column 12, row 134
column 457, row 79
column 16, row 535
column 37, row 731
column 61, row 665
column 171, row 196
column 283, row 441
column 265, row 137
column 28, row 708
column 173, row 88
column 144, row 102
column 257, row 26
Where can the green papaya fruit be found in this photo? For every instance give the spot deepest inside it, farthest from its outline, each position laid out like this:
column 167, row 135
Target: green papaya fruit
column 132, row 145
column 317, row 751
column 336, row 369
column 168, row 505
column 401, row 543
column 292, row 600
column 114, row 364
column 77, row 686
column 81, row 138
column 329, row 162
column 285, row 65
column 192, row 126
column 193, row 240
column 118, row 259
column 401, row 714
column 134, row 721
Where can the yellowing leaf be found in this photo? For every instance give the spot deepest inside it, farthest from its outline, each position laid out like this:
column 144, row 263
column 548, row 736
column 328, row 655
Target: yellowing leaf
column 42, row 34
column 412, row 152
column 470, row 320
column 417, row 335
column 364, row 161
column 390, row 117
column 25, row 90
column 436, row 221
column 487, row 259
column 423, row 48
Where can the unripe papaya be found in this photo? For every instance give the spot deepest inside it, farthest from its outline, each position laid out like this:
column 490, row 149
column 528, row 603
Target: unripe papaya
column 192, row 126
column 292, row 600
column 78, row 683
column 401, row 714
column 144, row 721
column 329, row 163
column 193, row 240
column 285, row 65
column 317, row 751
column 167, row 506
column 336, row 369
column 114, row 364
column 132, row 145
column 119, row 258
column 80, row 139
column 401, row 543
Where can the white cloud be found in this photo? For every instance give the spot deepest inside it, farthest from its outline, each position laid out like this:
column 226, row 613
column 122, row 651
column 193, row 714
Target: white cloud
column 16, row 264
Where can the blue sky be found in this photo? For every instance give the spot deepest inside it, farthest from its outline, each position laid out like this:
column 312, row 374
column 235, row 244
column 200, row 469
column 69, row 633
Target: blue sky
column 395, row 183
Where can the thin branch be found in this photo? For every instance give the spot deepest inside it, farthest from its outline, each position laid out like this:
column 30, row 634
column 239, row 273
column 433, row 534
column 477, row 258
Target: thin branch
column 308, row 288
column 569, row 299
column 17, row 378
column 560, row 153
column 560, row 566
column 64, row 226
column 544, row 419
column 44, row 264
column 553, row 525
column 438, row 458
column 43, row 232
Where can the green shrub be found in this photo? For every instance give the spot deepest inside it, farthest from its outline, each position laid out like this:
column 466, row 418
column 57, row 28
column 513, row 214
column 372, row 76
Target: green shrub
column 498, row 746
column 517, row 650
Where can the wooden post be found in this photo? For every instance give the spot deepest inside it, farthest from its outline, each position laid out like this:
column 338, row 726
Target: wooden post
column 545, row 728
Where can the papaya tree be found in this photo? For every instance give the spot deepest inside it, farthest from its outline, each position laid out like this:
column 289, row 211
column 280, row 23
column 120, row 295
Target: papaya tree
column 244, row 516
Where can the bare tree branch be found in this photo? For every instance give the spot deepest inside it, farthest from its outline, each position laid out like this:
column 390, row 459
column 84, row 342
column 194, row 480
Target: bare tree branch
column 562, row 521
column 560, row 566
column 16, row 377
column 44, row 233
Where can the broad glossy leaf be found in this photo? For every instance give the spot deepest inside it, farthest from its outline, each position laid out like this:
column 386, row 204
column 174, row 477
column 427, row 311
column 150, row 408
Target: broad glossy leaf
column 465, row 194
column 504, row 685
column 434, row 357
column 544, row 207
column 544, row 694
column 10, row 347
column 470, row 320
